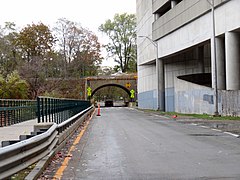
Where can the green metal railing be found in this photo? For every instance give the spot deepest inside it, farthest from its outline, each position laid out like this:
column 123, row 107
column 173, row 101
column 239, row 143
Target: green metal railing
column 16, row 111
column 58, row 110
column 46, row 109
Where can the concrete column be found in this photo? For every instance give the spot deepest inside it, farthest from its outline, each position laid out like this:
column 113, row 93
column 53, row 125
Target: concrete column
column 156, row 16
column 220, row 57
column 213, row 64
column 173, row 3
column 201, row 59
column 161, row 84
column 232, row 61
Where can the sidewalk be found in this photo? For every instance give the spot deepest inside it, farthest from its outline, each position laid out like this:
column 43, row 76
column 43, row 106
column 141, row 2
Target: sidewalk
column 14, row 131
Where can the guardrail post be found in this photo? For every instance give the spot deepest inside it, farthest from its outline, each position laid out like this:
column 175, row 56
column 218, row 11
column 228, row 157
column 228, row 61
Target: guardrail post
column 5, row 114
column 38, row 110
column 1, row 114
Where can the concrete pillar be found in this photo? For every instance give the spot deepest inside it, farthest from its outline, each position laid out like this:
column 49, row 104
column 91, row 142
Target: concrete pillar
column 201, row 59
column 213, row 66
column 220, row 58
column 173, row 3
column 156, row 16
column 161, row 84
column 232, row 61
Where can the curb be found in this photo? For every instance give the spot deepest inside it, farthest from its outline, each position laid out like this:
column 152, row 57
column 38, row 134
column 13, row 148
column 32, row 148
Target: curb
column 44, row 162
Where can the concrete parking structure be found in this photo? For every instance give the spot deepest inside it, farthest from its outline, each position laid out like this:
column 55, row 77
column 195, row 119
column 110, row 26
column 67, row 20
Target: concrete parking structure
column 183, row 32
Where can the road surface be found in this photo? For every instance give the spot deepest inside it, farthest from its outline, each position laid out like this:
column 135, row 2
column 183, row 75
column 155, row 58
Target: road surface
column 126, row 143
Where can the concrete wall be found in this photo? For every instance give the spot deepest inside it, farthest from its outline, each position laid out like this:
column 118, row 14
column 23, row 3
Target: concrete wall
column 199, row 31
column 183, row 64
column 157, row 4
column 195, row 99
column 230, row 103
column 191, row 98
column 183, row 13
column 146, row 50
column 146, row 53
column 147, row 86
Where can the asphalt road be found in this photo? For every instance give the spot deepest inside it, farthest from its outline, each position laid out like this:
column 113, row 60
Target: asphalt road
column 126, row 143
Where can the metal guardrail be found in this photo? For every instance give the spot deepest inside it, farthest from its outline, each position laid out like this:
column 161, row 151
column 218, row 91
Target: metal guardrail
column 64, row 125
column 16, row 157
column 16, row 111
column 19, row 156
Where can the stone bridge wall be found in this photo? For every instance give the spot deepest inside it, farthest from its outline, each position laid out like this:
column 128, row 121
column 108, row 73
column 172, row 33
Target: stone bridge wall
column 126, row 82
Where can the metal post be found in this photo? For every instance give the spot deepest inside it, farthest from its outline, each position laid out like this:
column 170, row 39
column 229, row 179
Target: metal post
column 38, row 110
column 213, row 54
column 158, row 78
column 19, row 111
column 5, row 113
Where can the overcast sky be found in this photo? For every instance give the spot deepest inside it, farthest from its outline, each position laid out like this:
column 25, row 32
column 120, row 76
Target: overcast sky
column 90, row 13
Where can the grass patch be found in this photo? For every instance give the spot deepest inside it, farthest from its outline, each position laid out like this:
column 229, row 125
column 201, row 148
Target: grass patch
column 22, row 174
column 197, row 116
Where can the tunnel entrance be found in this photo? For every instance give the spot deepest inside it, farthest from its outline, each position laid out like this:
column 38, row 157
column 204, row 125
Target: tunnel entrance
column 111, row 95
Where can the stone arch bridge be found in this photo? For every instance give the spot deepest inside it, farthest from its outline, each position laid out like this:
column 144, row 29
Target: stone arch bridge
column 127, row 82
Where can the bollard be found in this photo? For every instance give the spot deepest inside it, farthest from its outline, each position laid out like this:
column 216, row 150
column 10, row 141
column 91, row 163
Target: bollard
column 98, row 113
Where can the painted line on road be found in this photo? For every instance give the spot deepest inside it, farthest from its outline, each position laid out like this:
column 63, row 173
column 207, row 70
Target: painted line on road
column 193, row 124
column 205, row 127
column 59, row 173
column 160, row 116
column 232, row 134
column 218, row 130
column 134, row 109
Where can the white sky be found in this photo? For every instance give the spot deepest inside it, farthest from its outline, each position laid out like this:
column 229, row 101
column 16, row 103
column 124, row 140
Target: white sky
column 90, row 13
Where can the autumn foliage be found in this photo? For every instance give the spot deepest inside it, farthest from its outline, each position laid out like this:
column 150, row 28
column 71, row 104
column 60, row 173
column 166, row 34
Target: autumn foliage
column 40, row 53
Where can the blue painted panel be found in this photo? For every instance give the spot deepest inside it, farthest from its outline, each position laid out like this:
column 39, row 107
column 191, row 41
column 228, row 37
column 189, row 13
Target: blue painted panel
column 169, row 100
column 146, row 100
column 208, row 98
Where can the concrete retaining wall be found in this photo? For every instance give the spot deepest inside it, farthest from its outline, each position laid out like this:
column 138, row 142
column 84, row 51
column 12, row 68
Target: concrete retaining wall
column 192, row 98
column 186, row 63
column 196, row 99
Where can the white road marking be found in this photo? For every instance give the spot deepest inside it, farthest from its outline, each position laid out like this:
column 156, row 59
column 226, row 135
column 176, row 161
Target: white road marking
column 205, row 127
column 232, row 134
column 218, row 130
column 161, row 116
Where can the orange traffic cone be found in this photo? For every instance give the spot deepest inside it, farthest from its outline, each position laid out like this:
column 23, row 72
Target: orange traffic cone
column 175, row 116
column 98, row 113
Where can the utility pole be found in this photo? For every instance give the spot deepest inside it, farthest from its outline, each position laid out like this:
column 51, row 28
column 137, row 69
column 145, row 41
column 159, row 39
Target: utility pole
column 213, row 57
